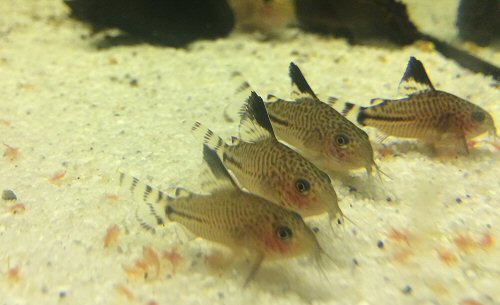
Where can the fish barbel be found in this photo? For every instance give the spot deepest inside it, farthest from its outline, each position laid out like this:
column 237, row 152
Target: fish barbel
column 270, row 169
column 436, row 117
column 231, row 217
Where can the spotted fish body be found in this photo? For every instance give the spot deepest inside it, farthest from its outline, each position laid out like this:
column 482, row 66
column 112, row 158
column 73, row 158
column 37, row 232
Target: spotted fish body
column 264, row 166
column 229, row 216
column 317, row 131
column 436, row 117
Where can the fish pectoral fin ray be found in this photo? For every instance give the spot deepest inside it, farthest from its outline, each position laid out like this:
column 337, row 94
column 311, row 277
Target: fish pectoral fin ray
column 255, row 124
column 415, row 79
column 450, row 144
column 208, row 137
column 221, row 179
column 345, row 108
column 257, row 261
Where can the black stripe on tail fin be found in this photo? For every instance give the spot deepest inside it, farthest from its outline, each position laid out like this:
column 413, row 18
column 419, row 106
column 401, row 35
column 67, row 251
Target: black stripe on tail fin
column 154, row 199
column 255, row 124
column 208, row 137
column 361, row 116
column 347, row 108
column 299, row 81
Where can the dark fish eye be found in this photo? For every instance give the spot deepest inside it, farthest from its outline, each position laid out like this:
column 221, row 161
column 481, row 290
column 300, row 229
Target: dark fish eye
column 478, row 116
column 341, row 140
column 283, row 233
column 302, row 186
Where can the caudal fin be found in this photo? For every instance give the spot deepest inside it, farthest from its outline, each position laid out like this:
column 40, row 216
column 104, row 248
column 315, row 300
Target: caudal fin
column 208, row 137
column 155, row 200
column 351, row 111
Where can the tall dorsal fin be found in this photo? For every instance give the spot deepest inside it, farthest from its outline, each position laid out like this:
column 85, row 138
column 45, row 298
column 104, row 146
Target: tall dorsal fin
column 415, row 79
column 300, row 87
column 223, row 179
column 255, row 124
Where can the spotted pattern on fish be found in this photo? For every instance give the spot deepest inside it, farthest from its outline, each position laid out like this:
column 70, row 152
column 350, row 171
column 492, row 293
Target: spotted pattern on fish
column 264, row 166
column 229, row 216
column 312, row 127
column 437, row 117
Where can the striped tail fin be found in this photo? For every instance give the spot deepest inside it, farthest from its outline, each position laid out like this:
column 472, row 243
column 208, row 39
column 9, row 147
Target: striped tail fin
column 351, row 111
column 155, row 200
column 209, row 138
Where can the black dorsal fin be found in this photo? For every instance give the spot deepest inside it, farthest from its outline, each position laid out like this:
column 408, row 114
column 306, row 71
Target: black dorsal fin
column 415, row 79
column 223, row 179
column 255, row 124
column 299, row 83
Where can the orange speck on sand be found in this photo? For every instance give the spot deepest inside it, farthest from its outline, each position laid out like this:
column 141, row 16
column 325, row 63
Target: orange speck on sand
column 174, row 258
column 398, row 235
column 111, row 235
column 124, row 291
column 402, row 256
column 152, row 259
column 10, row 153
column 111, row 197
column 142, row 267
column 4, row 122
column 13, row 274
column 17, row 208
column 152, row 302
column 464, row 243
column 57, row 177
column 138, row 270
column 486, row 241
column 470, row 302
column 112, row 61
column 447, row 256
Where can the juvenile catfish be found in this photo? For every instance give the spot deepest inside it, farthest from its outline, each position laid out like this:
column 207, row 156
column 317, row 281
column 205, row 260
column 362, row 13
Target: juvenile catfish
column 239, row 220
column 438, row 118
column 318, row 132
column 265, row 167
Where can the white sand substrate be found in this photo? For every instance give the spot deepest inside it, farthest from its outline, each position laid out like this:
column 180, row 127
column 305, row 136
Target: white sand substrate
column 76, row 114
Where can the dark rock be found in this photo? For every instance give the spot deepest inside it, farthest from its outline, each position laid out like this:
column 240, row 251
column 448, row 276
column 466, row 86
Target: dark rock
column 168, row 22
column 479, row 20
column 359, row 21
column 9, row 195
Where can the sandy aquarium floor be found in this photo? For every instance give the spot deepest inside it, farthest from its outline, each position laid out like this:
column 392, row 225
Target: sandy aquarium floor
column 71, row 115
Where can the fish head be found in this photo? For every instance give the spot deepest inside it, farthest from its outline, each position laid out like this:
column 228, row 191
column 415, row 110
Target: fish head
column 479, row 121
column 349, row 148
column 289, row 236
column 309, row 191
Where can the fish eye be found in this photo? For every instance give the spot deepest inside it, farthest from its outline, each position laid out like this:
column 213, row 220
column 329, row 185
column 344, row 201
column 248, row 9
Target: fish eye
column 302, row 186
column 341, row 140
column 478, row 116
column 283, row 233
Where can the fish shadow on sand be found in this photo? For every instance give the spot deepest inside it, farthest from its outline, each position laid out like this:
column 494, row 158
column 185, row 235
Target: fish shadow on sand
column 283, row 279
